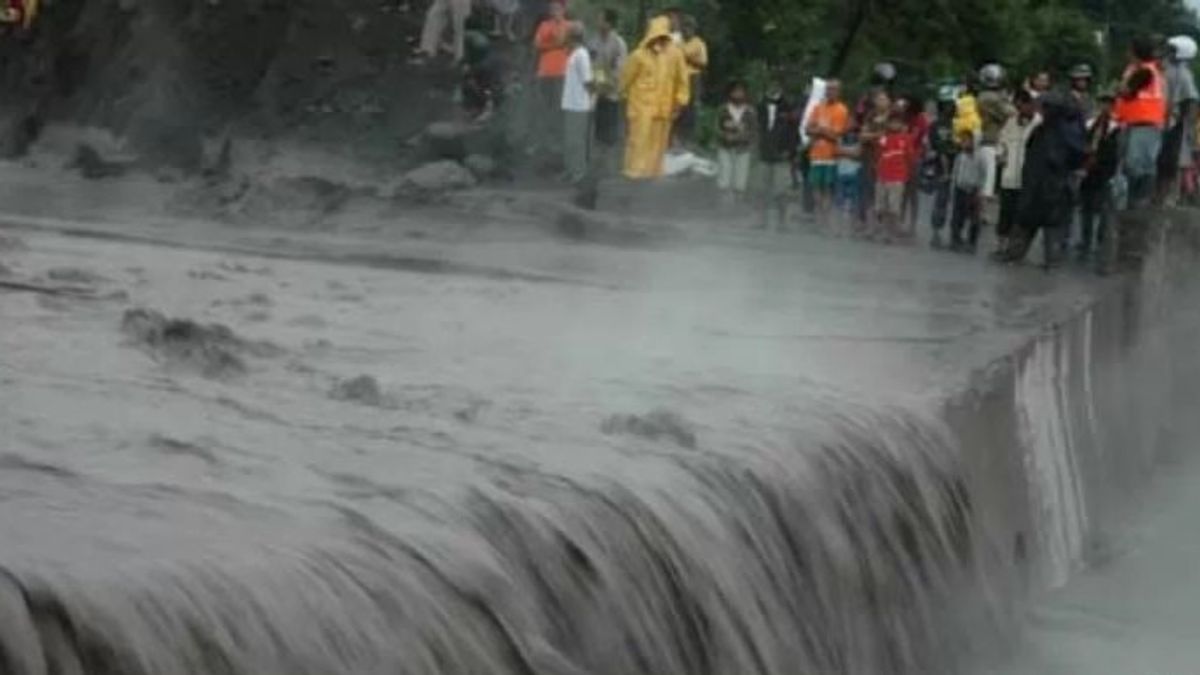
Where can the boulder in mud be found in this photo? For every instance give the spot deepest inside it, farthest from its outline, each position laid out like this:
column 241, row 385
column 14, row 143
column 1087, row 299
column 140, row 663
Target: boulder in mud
column 435, row 178
column 212, row 350
column 75, row 275
column 364, row 390
column 281, row 201
column 93, row 166
column 657, row 425
column 448, row 140
column 482, row 166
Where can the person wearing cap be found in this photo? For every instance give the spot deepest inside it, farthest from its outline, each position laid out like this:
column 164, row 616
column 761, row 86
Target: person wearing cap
column 654, row 85
column 1081, row 89
column 944, row 148
column 1141, row 109
column 550, row 41
column 1177, row 144
column 994, row 112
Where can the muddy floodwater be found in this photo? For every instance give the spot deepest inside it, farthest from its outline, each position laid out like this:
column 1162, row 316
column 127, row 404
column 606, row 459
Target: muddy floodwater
column 761, row 455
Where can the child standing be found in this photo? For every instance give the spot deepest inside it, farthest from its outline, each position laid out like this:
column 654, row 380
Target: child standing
column 849, row 168
column 893, row 171
column 970, row 172
column 736, row 124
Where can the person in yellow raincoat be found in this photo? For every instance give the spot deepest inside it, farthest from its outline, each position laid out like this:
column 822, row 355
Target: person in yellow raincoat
column 654, row 84
column 967, row 119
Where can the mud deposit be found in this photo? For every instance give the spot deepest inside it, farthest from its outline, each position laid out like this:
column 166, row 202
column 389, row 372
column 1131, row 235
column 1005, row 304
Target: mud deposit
column 805, row 456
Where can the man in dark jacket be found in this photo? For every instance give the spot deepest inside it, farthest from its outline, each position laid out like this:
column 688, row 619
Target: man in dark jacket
column 779, row 140
column 1055, row 149
column 1096, row 191
column 943, row 149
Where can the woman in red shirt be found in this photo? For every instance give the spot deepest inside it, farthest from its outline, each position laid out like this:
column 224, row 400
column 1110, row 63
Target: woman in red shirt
column 918, row 123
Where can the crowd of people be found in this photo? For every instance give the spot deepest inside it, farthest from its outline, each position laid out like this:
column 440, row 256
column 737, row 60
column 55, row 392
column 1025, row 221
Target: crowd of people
column 1027, row 156
column 1024, row 155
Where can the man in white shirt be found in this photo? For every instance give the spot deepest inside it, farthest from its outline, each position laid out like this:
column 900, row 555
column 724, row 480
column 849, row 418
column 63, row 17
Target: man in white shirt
column 577, row 105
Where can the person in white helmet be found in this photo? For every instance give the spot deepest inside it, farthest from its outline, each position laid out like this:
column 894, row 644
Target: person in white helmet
column 1081, row 89
column 995, row 109
column 1182, row 96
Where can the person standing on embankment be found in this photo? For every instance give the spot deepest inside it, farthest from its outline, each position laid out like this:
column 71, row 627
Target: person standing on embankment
column 577, row 103
column 611, row 52
column 655, row 87
column 550, row 41
column 1141, row 110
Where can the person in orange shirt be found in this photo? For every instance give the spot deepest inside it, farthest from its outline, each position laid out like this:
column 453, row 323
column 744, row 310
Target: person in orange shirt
column 550, row 40
column 826, row 125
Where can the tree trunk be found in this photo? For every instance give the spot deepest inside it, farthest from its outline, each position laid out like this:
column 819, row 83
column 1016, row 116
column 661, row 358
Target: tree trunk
column 841, row 53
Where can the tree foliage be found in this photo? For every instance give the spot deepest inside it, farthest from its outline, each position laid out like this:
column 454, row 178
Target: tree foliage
column 927, row 39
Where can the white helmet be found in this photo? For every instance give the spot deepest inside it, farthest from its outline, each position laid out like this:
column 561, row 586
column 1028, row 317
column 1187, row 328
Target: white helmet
column 884, row 72
column 1183, row 46
column 991, row 75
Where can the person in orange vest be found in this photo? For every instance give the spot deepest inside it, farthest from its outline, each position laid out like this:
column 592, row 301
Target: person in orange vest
column 1141, row 110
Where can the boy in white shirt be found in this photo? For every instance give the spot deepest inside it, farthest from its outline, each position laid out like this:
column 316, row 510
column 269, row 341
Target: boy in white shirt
column 577, row 105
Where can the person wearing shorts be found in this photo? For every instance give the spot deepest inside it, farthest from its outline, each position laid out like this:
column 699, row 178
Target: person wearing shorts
column 826, row 125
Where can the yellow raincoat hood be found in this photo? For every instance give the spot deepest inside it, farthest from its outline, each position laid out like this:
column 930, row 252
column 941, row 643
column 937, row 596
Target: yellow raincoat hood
column 660, row 27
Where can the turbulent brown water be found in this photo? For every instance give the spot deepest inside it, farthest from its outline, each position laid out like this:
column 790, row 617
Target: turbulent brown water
column 872, row 537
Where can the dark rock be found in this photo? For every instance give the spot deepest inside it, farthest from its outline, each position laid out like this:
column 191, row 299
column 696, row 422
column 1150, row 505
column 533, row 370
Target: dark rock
column 94, row 167
column 657, row 425
column 434, row 178
column 363, row 389
column 482, row 166
column 212, row 350
column 75, row 275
